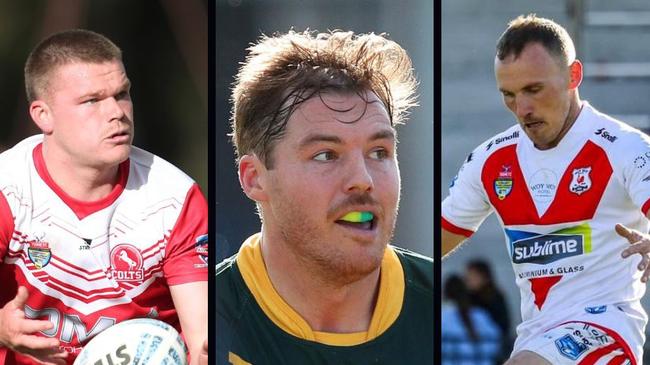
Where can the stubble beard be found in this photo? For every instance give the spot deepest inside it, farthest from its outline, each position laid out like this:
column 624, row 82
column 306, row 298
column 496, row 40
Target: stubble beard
column 332, row 262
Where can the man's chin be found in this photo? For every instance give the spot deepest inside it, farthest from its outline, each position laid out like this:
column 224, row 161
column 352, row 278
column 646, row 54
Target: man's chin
column 360, row 262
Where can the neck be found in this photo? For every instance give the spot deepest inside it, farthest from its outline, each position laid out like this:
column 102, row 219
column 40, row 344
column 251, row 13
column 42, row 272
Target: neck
column 575, row 105
column 327, row 305
column 81, row 182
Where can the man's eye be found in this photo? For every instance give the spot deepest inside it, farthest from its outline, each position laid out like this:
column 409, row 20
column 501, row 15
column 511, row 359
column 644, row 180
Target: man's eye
column 90, row 101
column 324, row 156
column 123, row 95
column 379, row 154
column 534, row 90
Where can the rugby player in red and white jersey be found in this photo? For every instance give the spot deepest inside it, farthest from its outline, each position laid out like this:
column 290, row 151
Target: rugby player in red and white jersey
column 93, row 231
column 560, row 181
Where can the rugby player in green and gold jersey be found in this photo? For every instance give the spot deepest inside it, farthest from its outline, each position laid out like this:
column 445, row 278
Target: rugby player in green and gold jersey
column 313, row 126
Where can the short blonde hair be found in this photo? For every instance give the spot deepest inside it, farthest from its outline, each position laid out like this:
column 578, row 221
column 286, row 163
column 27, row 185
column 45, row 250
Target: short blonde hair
column 76, row 45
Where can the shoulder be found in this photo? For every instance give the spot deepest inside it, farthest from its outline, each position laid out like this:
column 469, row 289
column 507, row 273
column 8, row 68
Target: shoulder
column 418, row 269
column 504, row 139
column 18, row 156
column 155, row 173
column 619, row 140
column 230, row 286
column 476, row 159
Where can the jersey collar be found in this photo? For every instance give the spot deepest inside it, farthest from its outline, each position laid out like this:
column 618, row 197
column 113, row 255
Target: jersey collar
column 387, row 309
column 80, row 208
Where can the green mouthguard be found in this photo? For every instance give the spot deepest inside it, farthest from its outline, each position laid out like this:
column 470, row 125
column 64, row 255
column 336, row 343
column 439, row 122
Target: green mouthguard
column 357, row 217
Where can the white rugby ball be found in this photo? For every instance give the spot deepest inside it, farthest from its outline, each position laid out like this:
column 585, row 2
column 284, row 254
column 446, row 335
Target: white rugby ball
column 141, row 341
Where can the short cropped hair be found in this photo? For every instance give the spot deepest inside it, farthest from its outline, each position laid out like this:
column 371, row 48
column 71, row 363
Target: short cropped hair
column 282, row 71
column 77, row 45
column 530, row 28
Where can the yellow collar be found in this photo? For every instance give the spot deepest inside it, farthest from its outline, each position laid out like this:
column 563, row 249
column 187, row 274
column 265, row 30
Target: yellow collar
column 387, row 309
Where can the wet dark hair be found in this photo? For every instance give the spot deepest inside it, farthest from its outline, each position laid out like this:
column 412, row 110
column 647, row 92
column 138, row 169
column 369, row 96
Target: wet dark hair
column 282, row 71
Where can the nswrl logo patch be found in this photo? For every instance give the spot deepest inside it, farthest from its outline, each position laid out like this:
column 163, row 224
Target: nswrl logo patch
column 569, row 347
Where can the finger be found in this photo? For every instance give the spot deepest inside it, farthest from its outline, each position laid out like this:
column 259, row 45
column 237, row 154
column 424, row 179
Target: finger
column 53, row 361
column 631, row 235
column 28, row 326
column 52, row 352
column 646, row 274
column 31, row 343
column 21, row 298
column 644, row 262
column 640, row 248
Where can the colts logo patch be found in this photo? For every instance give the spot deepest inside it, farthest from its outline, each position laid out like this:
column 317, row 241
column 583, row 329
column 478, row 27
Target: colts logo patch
column 503, row 184
column 581, row 181
column 39, row 253
column 126, row 263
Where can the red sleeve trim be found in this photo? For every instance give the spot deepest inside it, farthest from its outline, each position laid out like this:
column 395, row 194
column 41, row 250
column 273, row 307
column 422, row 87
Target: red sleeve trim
column 448, row 226
column 645, row 207
column 187, row 248
column 6, row 226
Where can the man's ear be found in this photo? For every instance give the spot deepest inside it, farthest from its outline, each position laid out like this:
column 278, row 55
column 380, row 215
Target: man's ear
column 41, row 115
column 575, row 74
column 252, row 177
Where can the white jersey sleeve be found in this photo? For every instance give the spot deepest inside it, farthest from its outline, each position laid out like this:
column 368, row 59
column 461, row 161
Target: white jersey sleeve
column 467, row 205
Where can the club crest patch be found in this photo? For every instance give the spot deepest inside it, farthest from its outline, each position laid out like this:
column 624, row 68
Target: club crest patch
column 581, row 181
column 39, row 253
column 126, row 263
column 503, row 183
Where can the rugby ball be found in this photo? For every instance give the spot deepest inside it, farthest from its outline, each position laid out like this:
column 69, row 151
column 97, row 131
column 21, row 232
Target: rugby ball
column 141, row 341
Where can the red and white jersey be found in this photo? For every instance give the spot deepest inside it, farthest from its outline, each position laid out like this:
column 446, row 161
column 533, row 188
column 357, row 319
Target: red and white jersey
column 89, row 265
column 558, row 208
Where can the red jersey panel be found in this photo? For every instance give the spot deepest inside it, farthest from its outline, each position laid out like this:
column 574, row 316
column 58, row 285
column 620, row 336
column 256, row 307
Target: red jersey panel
column 89, row 265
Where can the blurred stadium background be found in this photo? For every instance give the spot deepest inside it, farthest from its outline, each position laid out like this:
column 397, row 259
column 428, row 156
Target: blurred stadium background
column 165, row 46
column 611, row 39
column 408, row 22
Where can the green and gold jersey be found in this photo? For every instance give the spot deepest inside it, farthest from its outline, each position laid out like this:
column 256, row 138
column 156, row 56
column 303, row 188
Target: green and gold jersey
column 256, row 326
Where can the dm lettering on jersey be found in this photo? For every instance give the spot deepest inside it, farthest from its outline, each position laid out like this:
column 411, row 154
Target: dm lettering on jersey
column 535, row 248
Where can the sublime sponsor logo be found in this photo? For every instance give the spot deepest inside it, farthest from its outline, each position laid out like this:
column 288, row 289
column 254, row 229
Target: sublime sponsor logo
column 547, row 248
column 543, row 249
